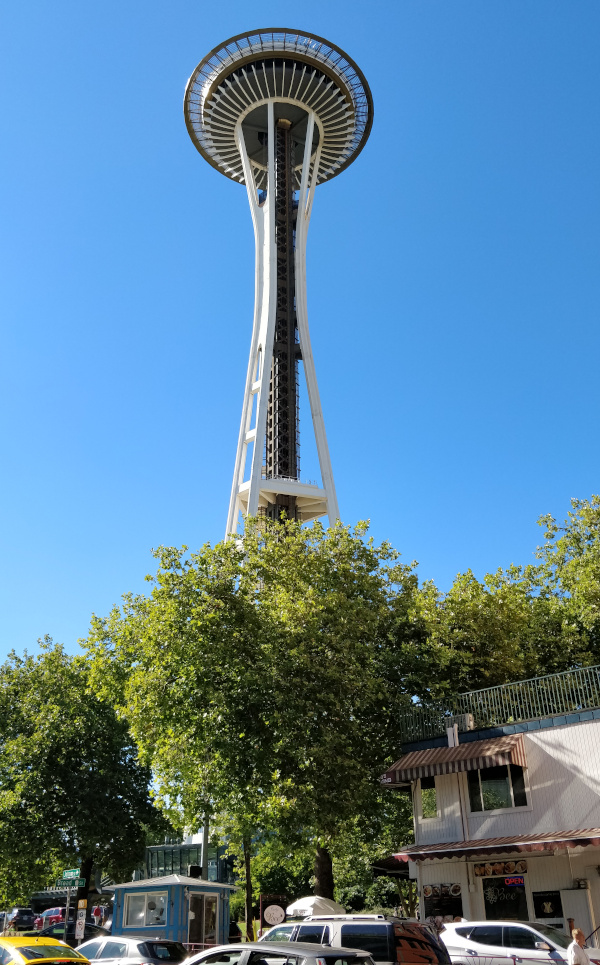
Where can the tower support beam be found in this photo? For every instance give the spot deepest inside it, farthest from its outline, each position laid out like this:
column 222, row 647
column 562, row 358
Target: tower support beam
column 280, row 338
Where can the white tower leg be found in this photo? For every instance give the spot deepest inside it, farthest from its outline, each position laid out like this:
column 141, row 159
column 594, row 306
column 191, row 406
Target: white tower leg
column 248, row 496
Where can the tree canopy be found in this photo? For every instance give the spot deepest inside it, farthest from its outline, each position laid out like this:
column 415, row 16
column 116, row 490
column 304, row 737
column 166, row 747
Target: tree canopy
column 260, row 677
column 72, row 791
column 263, row 680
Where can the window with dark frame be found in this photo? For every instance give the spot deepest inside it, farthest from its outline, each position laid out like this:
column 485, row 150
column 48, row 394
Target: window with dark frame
column 495, row 788
column 428, row 798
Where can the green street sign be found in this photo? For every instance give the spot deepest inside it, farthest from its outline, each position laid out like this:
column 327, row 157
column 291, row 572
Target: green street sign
column 70, row 883
column 71, row 873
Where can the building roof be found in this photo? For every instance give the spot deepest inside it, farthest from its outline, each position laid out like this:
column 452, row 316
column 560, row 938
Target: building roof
column 166, row 880
column 548, row 842
column 391, row 867
column 450, row 760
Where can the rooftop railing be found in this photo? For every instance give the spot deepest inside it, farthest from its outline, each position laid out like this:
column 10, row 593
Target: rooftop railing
column 555, row 694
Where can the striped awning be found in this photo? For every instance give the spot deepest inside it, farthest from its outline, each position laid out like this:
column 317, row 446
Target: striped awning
column 547, row 842
column 470, row 756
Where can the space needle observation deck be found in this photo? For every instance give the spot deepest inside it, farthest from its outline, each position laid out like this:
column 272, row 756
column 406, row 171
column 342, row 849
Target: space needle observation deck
column 279, row 111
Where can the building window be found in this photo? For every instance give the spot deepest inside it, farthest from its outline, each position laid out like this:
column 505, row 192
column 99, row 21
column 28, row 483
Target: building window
column 146, row 909
column 494, row 788
column 428, row 798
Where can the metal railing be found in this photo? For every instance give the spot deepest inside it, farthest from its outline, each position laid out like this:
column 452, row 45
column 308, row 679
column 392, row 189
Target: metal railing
column 553, row 695
column 422, row 723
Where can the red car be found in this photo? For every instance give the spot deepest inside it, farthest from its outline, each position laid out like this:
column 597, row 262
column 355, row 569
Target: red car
column 51, row 916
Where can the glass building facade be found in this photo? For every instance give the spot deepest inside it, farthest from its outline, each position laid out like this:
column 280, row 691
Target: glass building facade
column 174, row 859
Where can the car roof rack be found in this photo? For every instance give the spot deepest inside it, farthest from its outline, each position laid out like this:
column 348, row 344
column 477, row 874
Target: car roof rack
column 359, row 917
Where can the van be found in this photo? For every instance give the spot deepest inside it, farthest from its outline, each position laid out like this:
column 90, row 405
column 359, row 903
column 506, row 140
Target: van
column 389, row 940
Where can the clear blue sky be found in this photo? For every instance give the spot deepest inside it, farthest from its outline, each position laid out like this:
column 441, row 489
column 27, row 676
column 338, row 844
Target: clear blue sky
column 453, row 289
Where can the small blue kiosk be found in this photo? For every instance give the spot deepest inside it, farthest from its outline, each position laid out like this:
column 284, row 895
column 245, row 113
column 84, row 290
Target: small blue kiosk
column 183, row 909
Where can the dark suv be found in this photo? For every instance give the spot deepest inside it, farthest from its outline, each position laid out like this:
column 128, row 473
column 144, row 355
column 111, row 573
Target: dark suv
column 21, row 918
column 389, row 940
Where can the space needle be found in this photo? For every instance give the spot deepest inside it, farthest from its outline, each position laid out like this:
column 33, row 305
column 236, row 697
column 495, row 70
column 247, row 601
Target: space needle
column 280, row 111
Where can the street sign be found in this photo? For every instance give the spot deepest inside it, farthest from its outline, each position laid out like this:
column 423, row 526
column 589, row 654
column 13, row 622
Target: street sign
column 70, row 882
column 79, row 928
column 71, row 873
column 82, row 903
column 80, row 913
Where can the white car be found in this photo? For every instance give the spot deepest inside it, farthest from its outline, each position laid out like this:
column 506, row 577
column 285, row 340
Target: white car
column 493, row 942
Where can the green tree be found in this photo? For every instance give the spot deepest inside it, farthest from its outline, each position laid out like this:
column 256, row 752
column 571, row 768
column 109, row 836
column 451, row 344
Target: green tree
column 570, row 566
column 72, row 791
column 261, row 678
column 366, row 840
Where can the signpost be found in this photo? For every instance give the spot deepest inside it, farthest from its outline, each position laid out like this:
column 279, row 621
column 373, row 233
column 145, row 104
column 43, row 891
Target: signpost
column 80, row 924
column 71, row 879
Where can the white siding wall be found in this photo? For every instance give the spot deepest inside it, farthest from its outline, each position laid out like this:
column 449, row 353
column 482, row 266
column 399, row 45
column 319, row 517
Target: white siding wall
column 544, row 873
column 563, row 768
column 448, row 825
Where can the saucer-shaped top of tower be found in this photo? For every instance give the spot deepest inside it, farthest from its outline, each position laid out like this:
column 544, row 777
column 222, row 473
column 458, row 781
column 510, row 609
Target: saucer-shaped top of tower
column 298, row 72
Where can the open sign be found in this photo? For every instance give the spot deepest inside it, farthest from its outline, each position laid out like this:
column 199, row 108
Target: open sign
column 514, row 880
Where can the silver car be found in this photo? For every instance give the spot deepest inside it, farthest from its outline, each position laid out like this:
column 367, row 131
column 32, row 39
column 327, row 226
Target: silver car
column 280, row 953
column 118, row 950
column 498, row 942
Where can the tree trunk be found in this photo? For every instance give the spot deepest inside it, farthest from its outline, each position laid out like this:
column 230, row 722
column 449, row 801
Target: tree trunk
column 205, row 837
column 408, row 898
column 323, row 873
column 85, row 872
column 249, row 913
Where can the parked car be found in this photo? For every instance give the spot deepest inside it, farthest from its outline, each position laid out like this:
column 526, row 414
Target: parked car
column 389, row 940
column 21, row 918
column 280, row 953
column 50, row 916
column 21, row 950
column 153, row 951
column 91, row 930
column 493, row 942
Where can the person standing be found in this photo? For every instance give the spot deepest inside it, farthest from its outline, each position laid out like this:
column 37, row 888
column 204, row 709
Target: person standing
column 576, row 953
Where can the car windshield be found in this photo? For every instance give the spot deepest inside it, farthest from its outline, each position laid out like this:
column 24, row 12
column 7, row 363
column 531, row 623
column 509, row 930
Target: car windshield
column 554, row 934
column 31, row 952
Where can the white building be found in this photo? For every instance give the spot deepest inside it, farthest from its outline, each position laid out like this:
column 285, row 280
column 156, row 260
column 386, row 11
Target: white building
column 507, row 817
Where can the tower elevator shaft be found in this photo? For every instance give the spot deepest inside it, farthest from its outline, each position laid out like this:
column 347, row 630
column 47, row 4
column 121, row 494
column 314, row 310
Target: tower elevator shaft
column 282, row 456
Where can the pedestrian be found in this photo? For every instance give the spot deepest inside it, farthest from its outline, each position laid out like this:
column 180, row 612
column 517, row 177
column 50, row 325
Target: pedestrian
column 576, row 953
